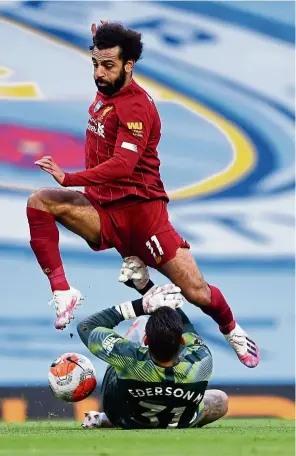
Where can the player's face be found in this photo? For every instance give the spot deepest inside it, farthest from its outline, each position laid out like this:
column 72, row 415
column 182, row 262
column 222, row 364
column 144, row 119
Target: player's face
column 110, row 74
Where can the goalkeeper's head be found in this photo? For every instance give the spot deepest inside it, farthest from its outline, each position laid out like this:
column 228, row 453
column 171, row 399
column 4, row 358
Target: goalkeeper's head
column 164, row 331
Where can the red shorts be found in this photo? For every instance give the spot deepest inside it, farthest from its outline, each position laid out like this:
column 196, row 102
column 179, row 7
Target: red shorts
column 141, row 228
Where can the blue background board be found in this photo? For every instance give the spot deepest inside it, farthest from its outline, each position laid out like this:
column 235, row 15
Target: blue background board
column 222, row 76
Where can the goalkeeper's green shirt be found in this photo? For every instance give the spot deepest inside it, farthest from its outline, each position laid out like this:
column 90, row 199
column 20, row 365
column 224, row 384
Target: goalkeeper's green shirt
column 149, row 395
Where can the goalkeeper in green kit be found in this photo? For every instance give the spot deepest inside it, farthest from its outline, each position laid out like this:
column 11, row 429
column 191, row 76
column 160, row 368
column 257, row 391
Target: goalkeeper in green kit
column 158, row 375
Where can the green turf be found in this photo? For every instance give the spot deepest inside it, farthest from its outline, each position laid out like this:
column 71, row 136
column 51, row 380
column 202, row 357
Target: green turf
column 225, row 438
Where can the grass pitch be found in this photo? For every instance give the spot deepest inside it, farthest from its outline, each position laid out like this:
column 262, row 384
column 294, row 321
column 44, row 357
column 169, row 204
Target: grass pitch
column 264, row 437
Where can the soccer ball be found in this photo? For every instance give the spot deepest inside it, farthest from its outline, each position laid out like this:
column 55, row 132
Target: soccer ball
column 72, row 377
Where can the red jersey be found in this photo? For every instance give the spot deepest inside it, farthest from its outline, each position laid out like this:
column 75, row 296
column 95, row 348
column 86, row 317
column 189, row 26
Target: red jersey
column 121, row 156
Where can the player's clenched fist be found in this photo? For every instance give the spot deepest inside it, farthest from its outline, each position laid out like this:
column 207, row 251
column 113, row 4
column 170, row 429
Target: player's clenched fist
column 133, row 268
column 48, row 165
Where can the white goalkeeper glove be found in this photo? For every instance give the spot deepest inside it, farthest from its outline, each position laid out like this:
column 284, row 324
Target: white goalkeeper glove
column 164, row 296
column 135, row 270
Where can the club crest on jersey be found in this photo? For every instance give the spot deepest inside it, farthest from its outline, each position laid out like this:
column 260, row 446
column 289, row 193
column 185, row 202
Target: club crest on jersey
column 98, row 106
column 106, row 110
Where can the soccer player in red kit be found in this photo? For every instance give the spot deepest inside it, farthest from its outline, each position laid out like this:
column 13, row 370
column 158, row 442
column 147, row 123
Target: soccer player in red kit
column 124, row 204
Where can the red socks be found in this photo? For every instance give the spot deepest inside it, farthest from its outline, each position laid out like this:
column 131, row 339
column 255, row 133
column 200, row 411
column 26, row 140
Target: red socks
column 45, row 245
column 220, row 311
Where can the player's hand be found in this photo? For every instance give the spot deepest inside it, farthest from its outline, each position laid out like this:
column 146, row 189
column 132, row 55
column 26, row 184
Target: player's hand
column 48, row 165
column 166, row 295
column 136, row 270
column 92, row 420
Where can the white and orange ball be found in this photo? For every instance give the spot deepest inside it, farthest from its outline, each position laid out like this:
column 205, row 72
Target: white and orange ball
column 72, row 377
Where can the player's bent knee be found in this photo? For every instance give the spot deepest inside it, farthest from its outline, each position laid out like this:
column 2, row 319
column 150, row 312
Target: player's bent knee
column 199, row 296
column 33, row 199
column 57, row 202
column 37, row 200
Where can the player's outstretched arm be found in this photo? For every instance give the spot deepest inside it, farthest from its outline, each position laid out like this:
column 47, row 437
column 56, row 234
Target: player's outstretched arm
column 158, row 296
column 135, row 274
column 117, row 167
column 108, row 318
column 97, row 333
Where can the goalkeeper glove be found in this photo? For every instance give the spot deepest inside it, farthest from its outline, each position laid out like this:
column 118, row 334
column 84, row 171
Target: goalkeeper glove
column 134, row 273
column 164, row 296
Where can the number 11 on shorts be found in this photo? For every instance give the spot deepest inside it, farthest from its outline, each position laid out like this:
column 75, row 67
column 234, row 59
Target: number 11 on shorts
column 154, row 244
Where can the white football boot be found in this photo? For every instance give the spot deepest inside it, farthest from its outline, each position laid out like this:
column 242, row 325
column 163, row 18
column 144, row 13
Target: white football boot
column 65, row 301
column 93, row 420
column 246, row 350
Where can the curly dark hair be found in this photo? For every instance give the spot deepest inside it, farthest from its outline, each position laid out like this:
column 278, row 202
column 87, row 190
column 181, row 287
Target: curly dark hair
column 113, row 34
column 164, row 331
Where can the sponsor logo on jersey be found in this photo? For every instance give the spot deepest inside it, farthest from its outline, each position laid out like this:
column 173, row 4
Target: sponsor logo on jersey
column 98, row 129
column 135, row 125
column 101, row 130
column 109, row 342
column 91, row 119
column 138, row 133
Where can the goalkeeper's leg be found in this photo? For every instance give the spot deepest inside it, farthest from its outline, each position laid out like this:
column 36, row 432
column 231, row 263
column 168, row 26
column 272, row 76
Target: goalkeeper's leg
column 213, row 407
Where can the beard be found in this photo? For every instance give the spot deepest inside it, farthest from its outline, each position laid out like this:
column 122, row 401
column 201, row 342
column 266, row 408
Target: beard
column 110, row 88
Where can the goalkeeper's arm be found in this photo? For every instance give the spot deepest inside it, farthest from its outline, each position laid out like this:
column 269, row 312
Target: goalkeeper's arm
column 109, row 318
column 166, row 295
column 134, row 274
